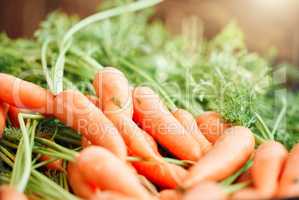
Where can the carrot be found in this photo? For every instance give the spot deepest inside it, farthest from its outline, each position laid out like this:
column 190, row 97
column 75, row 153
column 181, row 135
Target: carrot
column 79, row 186
column 267, row 165
column 160, row 175
column 101, row 168
column 23, row 94
column 55, row 165
column 189, row 123
column 229, row 153
column 211, row 125
column 3, row 113
column 155, row 119
column 76, row 111
column 110, row 195
column 170, row 195
column 116, row 97
column 289, row 182
column 9, row 193
column 113, row 90
column 205, row 190
column 94, row 100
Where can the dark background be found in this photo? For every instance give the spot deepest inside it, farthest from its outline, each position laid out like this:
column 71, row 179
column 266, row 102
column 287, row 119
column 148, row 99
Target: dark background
column 266, row 23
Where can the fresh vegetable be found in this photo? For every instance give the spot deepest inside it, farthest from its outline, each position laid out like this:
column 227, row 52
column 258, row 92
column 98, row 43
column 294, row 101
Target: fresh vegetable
column 76, row 111
column 288, row 185
column 23, row 94
column 13, row 113
column 228, row 154
column 114, row 92
column 267, row 166
column 155, row 119
column 211, row 125
column 105, row 171
column 189, row 123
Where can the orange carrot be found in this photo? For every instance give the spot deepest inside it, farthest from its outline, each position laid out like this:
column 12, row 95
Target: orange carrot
column 110, row 195
column 79, row 186
column 3, row 113
column 205, row 190
column 55, row 165
column 9, row 193
column 155, row 119
column 289, row 182
column 229, row 153
column 101, row 168
column 170, row 195
column 23, row 94
column 267, row 165
column 189, row 123
column 116, row 97
column 160, row 175
column 76, row 111
column 211, row 125
column 114, row 92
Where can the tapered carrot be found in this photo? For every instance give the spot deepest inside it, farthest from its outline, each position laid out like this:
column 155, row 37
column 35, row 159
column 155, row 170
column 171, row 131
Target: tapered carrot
column 160, row 175
column 154, row 118
column 23, row 94
column 101, row 168
column 189, row 123
column 3, row 113
column 289, row 182
column 76, row 111
column 55, row 165
column 9, row 193
column 79, row 186
column 211, row 125
column 114, row 92
column 110, row 195
column 229, row 153
column 205, row 190
column 267, row 165
column 170, row 195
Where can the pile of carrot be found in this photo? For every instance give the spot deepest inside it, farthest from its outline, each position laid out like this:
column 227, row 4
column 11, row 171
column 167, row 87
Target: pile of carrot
column 124, row 122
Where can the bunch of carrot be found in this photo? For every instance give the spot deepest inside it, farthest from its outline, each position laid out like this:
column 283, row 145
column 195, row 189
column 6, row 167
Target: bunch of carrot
column 124, row 122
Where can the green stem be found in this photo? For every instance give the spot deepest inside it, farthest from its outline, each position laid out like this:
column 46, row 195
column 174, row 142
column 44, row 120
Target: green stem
column 280, row 117
column 236, row 187
column 65, row 44
column 44, row 63
column 263, row 126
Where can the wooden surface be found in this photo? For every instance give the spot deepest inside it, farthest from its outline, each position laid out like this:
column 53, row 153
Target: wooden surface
column 266, row 23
